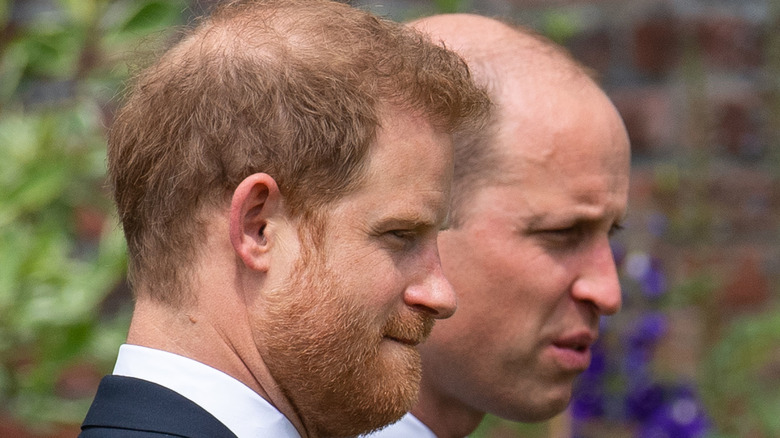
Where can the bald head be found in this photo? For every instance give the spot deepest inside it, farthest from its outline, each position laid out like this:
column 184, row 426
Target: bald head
column 521, row 71
column 498, row 52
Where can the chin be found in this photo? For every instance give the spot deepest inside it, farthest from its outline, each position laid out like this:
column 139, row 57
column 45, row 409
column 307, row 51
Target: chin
column 542, row 408
column 538, row 414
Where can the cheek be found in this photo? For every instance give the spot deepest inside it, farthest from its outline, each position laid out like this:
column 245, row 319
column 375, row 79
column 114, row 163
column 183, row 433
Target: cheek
column 506, row 286
column 489, row 301
column 374, row 284
column 495, row 268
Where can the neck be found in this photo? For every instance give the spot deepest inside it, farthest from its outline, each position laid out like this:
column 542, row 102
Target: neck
column 447, row 417
column 191, row 333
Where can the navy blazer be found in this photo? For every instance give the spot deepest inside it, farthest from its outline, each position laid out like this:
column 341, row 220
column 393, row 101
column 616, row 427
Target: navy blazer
column 135, row 408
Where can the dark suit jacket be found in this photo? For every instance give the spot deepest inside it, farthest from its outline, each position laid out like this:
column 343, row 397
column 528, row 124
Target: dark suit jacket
column 134, row 408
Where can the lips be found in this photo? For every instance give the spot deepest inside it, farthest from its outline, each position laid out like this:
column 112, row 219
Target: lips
column 411, row 330
column 579, row 342
column 404, row 341
column 572, row 352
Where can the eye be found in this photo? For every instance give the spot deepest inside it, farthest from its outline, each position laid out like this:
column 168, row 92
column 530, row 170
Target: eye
column 402, row 235
column 562, row 238
column 405, row 239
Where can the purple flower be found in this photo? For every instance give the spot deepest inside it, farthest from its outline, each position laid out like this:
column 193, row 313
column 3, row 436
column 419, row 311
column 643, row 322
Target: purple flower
column 653, row 281
column 647, row 332
column 598, row 362
column 648, row 272
column 636, row 365
column 680, row 417
column 641, row 341
column 588, row 401
column 588, row 397
column 644, row 401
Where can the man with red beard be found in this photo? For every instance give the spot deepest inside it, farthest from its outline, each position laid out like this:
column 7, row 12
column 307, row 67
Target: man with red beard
column 535, row 199
column 281, row 175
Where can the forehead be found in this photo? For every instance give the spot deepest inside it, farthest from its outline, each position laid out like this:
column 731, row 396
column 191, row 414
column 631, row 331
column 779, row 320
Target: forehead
column 552, row 125
column 408, row 171
column 564, row 145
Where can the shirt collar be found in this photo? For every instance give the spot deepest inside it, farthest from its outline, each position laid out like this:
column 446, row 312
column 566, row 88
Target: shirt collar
column 407, row 426
column 238, row 407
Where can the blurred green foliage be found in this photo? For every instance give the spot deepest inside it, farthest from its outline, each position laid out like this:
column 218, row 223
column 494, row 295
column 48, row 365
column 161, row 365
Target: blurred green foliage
column 62, row 66
column 61, row 251
column 741, row 377
column 450, row 6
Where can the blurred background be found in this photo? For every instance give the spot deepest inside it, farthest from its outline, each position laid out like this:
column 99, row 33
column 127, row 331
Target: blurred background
column 695, row 352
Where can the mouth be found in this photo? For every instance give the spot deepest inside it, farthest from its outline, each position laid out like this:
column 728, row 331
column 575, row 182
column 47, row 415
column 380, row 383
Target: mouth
column 580, row 347
column 578, row 342
column 410, row 331
column 572, row 353
column 404, row 341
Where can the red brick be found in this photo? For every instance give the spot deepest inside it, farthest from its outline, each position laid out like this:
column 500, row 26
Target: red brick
column 648, row 114
column 656, row 45
column 729, row 42
column 748, row 288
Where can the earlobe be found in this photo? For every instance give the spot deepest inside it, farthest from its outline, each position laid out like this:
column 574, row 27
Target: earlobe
column 254, row 201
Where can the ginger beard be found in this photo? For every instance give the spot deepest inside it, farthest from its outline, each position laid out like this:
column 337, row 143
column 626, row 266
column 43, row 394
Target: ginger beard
column 325, row 350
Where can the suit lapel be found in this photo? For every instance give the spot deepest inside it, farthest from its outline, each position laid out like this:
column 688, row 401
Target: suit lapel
column 135, row 404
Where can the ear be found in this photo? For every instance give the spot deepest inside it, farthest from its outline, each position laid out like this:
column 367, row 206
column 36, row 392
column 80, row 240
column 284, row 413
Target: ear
column 255, row 200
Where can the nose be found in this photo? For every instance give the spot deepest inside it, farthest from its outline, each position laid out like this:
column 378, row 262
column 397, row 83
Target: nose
column 598, row 282
column 433, row 293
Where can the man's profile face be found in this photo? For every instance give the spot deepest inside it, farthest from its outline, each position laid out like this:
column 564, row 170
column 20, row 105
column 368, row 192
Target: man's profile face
column 340, row 334
column 531, row 263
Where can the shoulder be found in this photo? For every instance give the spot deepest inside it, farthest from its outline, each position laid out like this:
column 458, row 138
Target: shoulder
column 126, row 406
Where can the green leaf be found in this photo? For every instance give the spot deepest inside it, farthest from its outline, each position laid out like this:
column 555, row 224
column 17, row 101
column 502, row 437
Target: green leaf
column 743, row 367
column 83, row 12
column 54, row 54
column 152, row 15
column 12, row 66
column 560, row 25
column 5, row 11
column 44, row 184
column 450, row 6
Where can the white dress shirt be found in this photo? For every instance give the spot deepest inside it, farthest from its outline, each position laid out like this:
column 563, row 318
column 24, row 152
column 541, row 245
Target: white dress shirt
column 243, row 411
column 407, row 427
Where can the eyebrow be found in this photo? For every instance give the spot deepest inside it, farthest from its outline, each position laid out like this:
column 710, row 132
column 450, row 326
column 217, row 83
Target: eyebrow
column 411, row 220
column 574, row 219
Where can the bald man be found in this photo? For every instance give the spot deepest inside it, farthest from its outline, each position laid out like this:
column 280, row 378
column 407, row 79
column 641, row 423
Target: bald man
column 535, row 200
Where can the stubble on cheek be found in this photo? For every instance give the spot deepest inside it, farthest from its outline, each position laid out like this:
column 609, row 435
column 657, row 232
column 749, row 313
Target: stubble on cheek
column 326, row 353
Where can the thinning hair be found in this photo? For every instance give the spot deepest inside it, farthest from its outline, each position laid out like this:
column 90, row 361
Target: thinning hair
column 498, row 53
column 291, row 88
